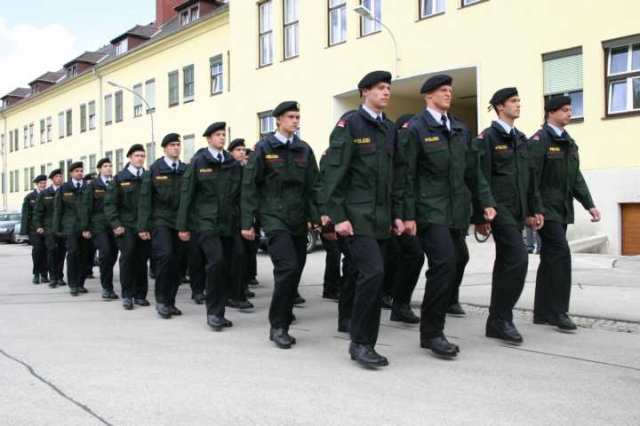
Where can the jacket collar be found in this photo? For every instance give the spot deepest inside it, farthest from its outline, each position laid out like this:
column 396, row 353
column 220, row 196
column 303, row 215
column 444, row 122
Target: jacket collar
column 296, row 144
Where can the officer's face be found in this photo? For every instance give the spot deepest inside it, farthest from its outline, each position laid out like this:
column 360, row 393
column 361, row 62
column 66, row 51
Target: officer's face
column 105, row 170
column 137, row 159
column 561, row 116
column 77, row 173
column 57, row 180
column 218, row 139
column 378, row 95
column 239, row 153
column 172, row 150
column 510, row 107
column 440, row 98
column 41, row 185
column 289, row 121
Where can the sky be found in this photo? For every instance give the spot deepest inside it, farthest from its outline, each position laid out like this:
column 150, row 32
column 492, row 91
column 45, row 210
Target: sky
column 37, row 36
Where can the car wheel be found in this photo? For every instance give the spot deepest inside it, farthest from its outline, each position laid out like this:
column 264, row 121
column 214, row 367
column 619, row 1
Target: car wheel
column 311, row 240
column 12, row 239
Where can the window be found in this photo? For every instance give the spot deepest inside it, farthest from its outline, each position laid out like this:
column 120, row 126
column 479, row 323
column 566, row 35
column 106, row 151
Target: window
column 108, row 109
column 61, row 164
column 267, row 123
column 217, row 82
column 291, row 24
column 151, row 154
column 49, row 168
column 83, row 118
column 119, row 110
column 190, row 15
column 49, row 127
column 42, row 139
column 174, row 91
column 623, row 75
column 83, row 160
column 72, row 71
column 122, row 47
column 109, row 155
column 69, row 127
column 337, row 21
column 370, row 26
column 266, row 33
column 92, row 163
column 43, row 169
column 188, row 83
column 188, row 147
column 68, row 164
column 11, row 141
column 137, row 100
column 470, row 2
column 25, row 137
column 150, row 90
column 92, row 115
column 15, row 140
column 119, row 159
column 563, row 76
column 31, row 134
column 25, row 175
column 431, row 7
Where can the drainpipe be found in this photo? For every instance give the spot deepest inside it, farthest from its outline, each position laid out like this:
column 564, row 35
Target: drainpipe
column 99, row 119
column 4, row 161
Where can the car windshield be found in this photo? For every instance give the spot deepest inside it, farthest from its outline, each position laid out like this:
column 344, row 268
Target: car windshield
column 9, row 216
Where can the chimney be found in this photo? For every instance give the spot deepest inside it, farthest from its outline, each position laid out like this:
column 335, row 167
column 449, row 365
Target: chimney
column 164, row 10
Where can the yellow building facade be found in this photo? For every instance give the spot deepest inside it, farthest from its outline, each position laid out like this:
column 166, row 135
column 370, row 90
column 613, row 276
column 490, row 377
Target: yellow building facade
column 239, row 61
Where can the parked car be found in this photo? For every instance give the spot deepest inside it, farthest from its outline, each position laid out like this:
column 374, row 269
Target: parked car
column 19, row 237
column 8, row 222
column 313, row 241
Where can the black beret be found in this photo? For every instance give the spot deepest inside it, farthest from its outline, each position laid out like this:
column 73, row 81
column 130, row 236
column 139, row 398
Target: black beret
column 40, row 178
column 54, row 172
column 235, row 143
column 105, row 160
column 76, row 165
column 171, row 137
column 89, row 176
column 219, row 125
column 135, row 148
column 374, row 77
column 556, row 103
column 436, row 81
column 502, row 95
column 286, row 107
column 403, row 119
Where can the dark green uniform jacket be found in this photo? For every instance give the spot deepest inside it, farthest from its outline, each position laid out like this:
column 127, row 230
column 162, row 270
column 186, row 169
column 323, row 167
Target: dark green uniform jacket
column 210, row 196
column 558, row 174
column 66, row 212
column 43, row 210
column 92, row 216
column 442, row 167
column 280, row 187
column 160, row 195
column 121, row 201
column 28, row 205
column 363, row 181
column 506, row 165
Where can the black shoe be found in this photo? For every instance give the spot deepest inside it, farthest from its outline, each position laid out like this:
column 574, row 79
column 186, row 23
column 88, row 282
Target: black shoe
column 175, row 311
column 127, row 303
column 239, row 304
column 61, row 283
column 440, row 346
column 280, row 337
column 455, row 309
column 44, row 280
column 501, row 329
column 253, row 281
column 53, row 284
column 109, row 295
column 226, row 323
column 83, row 290
column 299, row 300
column 366, row 356
column 249, row 294
column 141, row 302
column 387, row 301
column 404, row 314
column 344, row 324
column 74, row 291
column 35, row 279
column 199, row 298
column 163, row 310
column 217, row 322
column 331, row 294
column 543, row 320
column 563, row 322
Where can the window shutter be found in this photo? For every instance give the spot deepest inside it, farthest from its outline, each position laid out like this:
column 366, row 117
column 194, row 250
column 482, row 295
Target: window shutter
column 563, row 74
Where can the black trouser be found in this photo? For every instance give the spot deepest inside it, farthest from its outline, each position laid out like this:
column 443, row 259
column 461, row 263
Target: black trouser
column 288, row 254
column 38, row 254
column 105, row 243
column 509, row 271
column 367, row 255
column 134, row 254
column 332, row 265
column 90, row 255
column 348, row 288
column 443, row 247
column 55, row 256
column 77, row 248
column 553, row 282
column 462, row 258
column 166, row 250
column 217, row 253
column 238, row 270
column 410, row 262
column 392, row 258
column 196, row 267
column 250, row 252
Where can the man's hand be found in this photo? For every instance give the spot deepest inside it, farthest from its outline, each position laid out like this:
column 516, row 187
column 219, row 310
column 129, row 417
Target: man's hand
column 483, row 229
column 86, row 235
column 539, row 222
column 40, row 231
column 325, row 220
column 410, row 227
column 249, row 234
column 398, row 226
column 118, row 231
column 144, row 236
column 344, row 229
column 184, row 236
column 595, row 214
column 490, row 214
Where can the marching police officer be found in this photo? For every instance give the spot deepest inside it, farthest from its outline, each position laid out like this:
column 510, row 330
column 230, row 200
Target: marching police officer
column 38, row 249
column 158, row 208
column 43, row 222
column 121, row 211
column 279, row 185
column 442, row 168
column 559, row 181
column 66, row 220
column 363, row 200
column 210, row 207
column 95, row 226
column 504, row 159
column 91, row 250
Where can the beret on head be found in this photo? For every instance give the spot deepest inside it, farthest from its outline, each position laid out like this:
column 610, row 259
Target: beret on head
column 135, row 148
column 76, row 165
column 286, row 107
column 436, row 81
column 55, row 172
column 40, row 178
column 556, row 103
column 235, row 143
column 102, row 162
column 171, row 137
column 218, row 125
column 374, row 77
column 502, row 95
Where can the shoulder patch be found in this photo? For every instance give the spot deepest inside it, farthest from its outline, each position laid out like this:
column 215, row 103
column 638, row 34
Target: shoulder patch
column 324, row 152
column 342, row 123
column 405, row 125
column 481, row 135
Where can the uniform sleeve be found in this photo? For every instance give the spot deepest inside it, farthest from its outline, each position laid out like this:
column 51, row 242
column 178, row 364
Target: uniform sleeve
column 38, row 212
column 581, row 192
column 479, row 145
column 24, row 222
column 111, row 210
column 536, row 168
column 58, row 211
column 409, row 146
column 338, row 162
column 316, row 204
column 145, row 202
column 187, row 192
column 476, row 181
column 252, row 176
column 86, row 207
column 399, row 176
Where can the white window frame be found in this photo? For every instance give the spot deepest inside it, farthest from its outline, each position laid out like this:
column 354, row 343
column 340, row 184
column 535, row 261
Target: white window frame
column 25, row 137
column 42, row 131
column 217, row 75
column 265, row 33
column 175, row 89
column 150, row 94
column 137, row 100
column 83, row 118
column 31, row 130
column 424, row 5
column 188, row 86
column 291, row 29
column 108, row 110
column 370, row 26
column 338, row 8
column 266, row 123
column 466, row 3
column 69, row 122
column 118, row 106
column 49, row 128
column 92, row 115
column 627, row 77
column 122, row 47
